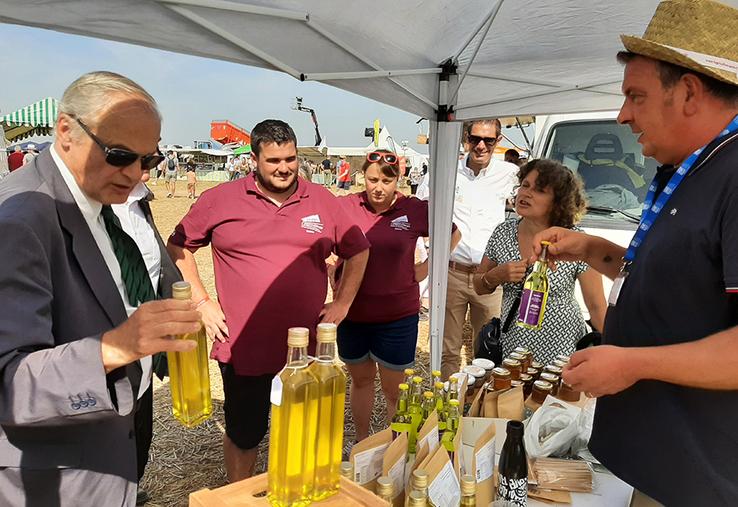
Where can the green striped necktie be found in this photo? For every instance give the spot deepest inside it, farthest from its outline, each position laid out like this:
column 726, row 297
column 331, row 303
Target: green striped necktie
column 132, row 266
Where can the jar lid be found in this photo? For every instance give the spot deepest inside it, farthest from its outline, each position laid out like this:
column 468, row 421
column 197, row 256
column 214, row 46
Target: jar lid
column 550, row 377
column 537, row 365
column 517, row 356
column 516, row 383
column 475, row 371
column 501, row 372
column 563, row 357
column 511, row 363
column 484, row 363
column 542, row 385
column 525, row 377
column 532, row 372
column 553, row 369
column 522, row 350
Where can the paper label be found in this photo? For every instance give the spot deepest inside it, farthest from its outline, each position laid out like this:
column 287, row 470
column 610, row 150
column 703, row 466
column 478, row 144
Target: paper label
column 530, row 307
column 368, row 464
column 431, row 439
column 445, row 488
column 397, row 476
column 276, row 394
column 485, row 460
column 617, row 285
column 513, row 491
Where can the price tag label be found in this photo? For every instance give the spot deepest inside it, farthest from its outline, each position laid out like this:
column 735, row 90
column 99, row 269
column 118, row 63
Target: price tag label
column 276, row 394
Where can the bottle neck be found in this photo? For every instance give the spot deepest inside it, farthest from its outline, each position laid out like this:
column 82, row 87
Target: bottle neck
column 402, row 402
column 297, row 357
column 326, row 351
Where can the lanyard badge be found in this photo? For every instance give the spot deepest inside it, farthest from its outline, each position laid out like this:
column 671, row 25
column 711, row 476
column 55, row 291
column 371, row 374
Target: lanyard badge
column 651, row 211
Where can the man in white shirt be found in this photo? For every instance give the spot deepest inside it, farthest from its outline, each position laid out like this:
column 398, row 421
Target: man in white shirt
column 483, row 186
column 73, row 325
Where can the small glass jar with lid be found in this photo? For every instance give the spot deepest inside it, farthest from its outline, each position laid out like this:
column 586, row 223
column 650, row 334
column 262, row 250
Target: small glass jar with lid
column 488, row 366
column 541, row 389
column 527, row 384
column 567, row 393
column 501, row 379
column 514, row 366
column 552, row 379
column 522, row 358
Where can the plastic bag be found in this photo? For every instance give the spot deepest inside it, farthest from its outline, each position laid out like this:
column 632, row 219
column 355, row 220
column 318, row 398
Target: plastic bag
column 552, row 429
column 584, row 428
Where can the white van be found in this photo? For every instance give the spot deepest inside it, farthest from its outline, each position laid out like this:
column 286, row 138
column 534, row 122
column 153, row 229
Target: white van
column 608, row 158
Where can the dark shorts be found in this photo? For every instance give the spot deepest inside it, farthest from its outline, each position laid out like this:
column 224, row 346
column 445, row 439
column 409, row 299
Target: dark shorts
column 346, row 185
column 246, row 406
column 391, row 344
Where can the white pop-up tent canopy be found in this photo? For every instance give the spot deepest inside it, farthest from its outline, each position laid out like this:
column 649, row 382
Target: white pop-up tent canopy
column 456, row 60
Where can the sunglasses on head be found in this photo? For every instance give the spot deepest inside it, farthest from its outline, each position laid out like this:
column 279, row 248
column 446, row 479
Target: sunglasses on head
column 488, row 141
column 118, row 157
column 376, row 156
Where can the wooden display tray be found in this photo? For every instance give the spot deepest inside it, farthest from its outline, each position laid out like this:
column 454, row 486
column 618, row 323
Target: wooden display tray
column 243, row 494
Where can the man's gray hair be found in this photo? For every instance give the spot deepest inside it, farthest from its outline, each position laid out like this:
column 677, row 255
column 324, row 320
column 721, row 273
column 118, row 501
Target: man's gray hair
column 91, row 92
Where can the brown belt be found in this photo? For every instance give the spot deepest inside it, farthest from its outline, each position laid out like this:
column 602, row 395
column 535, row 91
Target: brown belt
column 464, row 268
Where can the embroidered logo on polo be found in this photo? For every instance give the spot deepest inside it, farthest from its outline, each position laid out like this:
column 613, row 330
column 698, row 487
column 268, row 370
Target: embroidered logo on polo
column 312, row 224
column 400, row 223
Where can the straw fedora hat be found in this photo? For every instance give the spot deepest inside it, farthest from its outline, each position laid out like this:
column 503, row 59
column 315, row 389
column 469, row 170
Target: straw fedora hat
column 699, row 35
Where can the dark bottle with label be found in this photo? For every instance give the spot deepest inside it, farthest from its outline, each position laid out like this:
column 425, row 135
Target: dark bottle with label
column 512, row 490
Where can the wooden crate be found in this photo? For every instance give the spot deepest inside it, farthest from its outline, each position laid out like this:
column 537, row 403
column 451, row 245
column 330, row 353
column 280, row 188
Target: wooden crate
column 243, row 494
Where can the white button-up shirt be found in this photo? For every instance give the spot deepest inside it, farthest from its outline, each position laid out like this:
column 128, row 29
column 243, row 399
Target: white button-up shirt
column 91, row 212
column 479, row 206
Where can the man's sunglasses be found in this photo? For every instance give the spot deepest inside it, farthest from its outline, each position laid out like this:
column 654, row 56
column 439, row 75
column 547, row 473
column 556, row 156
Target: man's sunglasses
column 488, row 141
column 376, row 156
column 118, row 157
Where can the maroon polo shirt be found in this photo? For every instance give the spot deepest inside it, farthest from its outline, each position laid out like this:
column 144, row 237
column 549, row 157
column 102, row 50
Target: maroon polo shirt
column 15, row 160
column 389, row 290
column 269, row 263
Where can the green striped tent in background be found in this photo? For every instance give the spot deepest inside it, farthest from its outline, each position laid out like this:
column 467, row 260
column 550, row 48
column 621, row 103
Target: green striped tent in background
column 35, row 120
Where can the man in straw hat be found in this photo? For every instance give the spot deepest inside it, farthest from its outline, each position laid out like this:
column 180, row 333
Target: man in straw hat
column 667, row 370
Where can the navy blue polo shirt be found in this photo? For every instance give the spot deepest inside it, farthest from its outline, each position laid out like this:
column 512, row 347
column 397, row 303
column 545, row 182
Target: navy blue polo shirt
column 678, row 444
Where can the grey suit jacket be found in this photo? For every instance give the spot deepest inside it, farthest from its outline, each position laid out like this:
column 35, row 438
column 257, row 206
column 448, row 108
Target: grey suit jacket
column 66, row 428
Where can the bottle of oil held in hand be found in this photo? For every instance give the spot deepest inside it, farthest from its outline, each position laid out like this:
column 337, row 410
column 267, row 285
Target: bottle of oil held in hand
column 331, row 405
column 189, row 378
column 293, row 431
column 535, row 293
column 512, row 490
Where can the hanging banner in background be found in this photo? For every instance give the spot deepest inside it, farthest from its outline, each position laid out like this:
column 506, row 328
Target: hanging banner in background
column 376, row 132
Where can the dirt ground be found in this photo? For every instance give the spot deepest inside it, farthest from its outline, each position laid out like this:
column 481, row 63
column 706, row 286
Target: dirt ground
column 185, row 460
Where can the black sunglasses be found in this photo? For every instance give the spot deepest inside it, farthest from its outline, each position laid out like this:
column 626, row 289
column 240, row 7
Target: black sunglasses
column 118, row 157
column 489, row 141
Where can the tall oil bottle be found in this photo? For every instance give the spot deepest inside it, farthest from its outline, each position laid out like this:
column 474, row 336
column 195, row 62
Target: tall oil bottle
column 331, row 405
column 293, row 430
column 189, row 378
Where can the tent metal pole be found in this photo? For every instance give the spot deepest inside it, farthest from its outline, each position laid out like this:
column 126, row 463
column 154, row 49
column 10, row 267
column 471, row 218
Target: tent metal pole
column 319, row 29
column 513, row 80
column 224, row 5
column 236, row 41
column 491, row 20
column 368, row 74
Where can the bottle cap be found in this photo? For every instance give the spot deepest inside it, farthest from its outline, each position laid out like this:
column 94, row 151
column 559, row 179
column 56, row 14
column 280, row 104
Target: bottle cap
column 384, row 486
column 181, row 290
column 298, row 336
column 436, row 373
column 416, row 499
column 428, row 395
column 347, row 469
column 439, row 385
column 453, row 402
column 326, row 332
column 468, row 485
column 403, row 387
column 546, row 243
column 420, row 479
column 417, row 380
column 409, row 372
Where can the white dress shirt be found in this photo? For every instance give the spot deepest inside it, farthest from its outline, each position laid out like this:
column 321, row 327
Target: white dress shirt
column 91, row 212
column 479, row 206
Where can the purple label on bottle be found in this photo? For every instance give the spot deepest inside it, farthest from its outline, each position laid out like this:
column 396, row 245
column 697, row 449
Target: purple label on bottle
column 530, row 307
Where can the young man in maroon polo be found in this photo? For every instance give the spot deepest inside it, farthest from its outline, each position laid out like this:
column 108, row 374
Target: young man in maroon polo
column 270, row 234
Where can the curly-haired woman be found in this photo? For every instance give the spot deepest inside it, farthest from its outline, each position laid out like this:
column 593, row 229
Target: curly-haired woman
column 549, row 195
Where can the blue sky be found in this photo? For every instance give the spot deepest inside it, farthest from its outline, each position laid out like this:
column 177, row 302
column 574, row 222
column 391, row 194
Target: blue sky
column 191, row 91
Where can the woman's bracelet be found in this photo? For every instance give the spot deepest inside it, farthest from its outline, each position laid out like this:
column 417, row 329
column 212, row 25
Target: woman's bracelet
column 205, row 300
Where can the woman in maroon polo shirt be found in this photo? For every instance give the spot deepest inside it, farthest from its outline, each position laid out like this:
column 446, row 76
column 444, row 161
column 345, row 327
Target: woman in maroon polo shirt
column 381, row 328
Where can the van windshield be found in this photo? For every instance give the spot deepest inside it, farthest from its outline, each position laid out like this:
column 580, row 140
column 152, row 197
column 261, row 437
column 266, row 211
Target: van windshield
column 608, row 158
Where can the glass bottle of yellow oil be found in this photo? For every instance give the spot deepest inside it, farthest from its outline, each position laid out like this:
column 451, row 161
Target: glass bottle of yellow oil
column 189, row 378
column 535, row 293
column 401, row 421
column 293, row 429
column 416, row 412
column 331, row 405
column 452, row 426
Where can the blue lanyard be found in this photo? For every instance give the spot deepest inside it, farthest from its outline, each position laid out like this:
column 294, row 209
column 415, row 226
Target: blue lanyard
column 651, row 210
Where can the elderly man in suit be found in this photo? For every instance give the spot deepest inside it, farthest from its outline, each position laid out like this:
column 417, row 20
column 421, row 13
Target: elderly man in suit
column 76, row 316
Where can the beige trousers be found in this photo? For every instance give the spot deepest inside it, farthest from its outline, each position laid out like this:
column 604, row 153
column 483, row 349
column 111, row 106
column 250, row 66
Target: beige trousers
column 460, row 297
